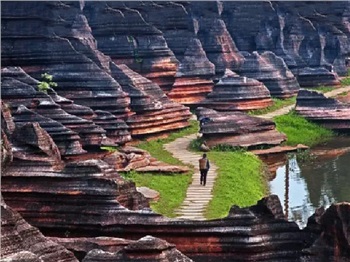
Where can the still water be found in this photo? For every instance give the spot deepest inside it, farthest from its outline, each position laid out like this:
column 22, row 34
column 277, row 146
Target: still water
column 315, row 183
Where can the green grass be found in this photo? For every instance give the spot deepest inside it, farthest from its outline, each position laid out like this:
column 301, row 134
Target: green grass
column 277, row 104
column 322, row 89
column 345, row 81
column 301, row 131
column 155, row 147
column 172, row 189
column 240, row 182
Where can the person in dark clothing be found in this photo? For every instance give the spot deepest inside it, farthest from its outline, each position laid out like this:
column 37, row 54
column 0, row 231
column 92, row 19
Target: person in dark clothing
column 203, row 168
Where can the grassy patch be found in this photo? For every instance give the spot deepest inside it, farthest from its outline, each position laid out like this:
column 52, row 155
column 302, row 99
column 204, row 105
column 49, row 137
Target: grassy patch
column 155, row 147
column 172, row 189
column 239, row 182
column 301, row 131
column 322, row 89
column 345, row 81
column 277, row 104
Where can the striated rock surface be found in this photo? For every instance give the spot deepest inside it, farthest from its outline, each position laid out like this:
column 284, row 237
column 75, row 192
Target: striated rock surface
column 325, row 111
column 80, row 246
column 131, row 158
column 237, row 129
column 193, row 78
column 124, row 35
column 58, row 41
column 155, row 113
column 147, row 248
column 305, row 34
column 22, row 242
column 272, row 71
column 234, row 92
column 313, row 77
column 333, row 244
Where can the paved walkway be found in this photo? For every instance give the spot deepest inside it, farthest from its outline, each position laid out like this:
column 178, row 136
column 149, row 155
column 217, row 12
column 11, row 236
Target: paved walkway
column 198, row 196
column 285, row 110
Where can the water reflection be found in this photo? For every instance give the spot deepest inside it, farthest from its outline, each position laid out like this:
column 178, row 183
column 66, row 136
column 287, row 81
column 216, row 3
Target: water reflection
column 302, row 188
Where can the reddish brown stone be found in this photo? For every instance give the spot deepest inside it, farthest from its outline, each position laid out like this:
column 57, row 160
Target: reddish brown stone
column 237, row 129
column 234, row 92
column 328, row 112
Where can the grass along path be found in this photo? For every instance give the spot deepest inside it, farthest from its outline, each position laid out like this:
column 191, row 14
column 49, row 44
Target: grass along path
column 172, row 188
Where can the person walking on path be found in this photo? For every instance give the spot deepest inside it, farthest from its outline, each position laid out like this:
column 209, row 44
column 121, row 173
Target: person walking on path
column 203, row 168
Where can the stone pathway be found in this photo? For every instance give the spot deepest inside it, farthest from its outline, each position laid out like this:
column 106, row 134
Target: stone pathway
column 285, row 110
column 198, row 196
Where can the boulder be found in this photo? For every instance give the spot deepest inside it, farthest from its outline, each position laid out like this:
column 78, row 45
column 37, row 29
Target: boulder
column 313, row 77
column 237, row 129
column 234, row 92
column 327, row 112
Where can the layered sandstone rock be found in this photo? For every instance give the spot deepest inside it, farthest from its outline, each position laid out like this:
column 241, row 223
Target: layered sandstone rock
column 130, row 158
column 333, row 244
column 304, row 34
column 124, row 35
column 325, row 111
column 146, row 248
column 155, row 113
column 58, row 41
column 272, row 71
column 234, row 92
column 80, row 246
column 22, row 242
column 313, row 77
column 193, row 78
column 237, row 129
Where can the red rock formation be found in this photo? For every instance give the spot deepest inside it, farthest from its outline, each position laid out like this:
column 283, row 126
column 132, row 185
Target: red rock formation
column 333, row 244
column 237, row 129
column 63, row 47
column 234, row 92
column 22, row 242
column 130, row 158
column 313, row 77
column 155, row 113
column 328, row 112
column 193, row 78
column 146, row 248
column 125, row 36
column 272, row 71
column 82, row 245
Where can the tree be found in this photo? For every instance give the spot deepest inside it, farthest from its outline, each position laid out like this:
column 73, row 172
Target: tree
column 46, row 83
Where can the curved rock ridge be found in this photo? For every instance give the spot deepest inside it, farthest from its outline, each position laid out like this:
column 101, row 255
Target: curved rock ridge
column 234, row 92
column 312, row 77
column 16, row 93
column 146, row 248
column 124, row 35
column 22, row 242
column 193, row 78
column 325, row 111
column 155, row 113
column 304, row 34
column 237, row 129
column 272, row 71
column 60, row 43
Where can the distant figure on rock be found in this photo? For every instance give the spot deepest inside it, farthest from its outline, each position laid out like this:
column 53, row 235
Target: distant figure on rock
column 203, row 168
column 204, row 147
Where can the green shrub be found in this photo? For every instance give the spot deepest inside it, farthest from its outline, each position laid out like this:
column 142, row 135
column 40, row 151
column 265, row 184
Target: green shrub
column 109, row 148
column 46, row 83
